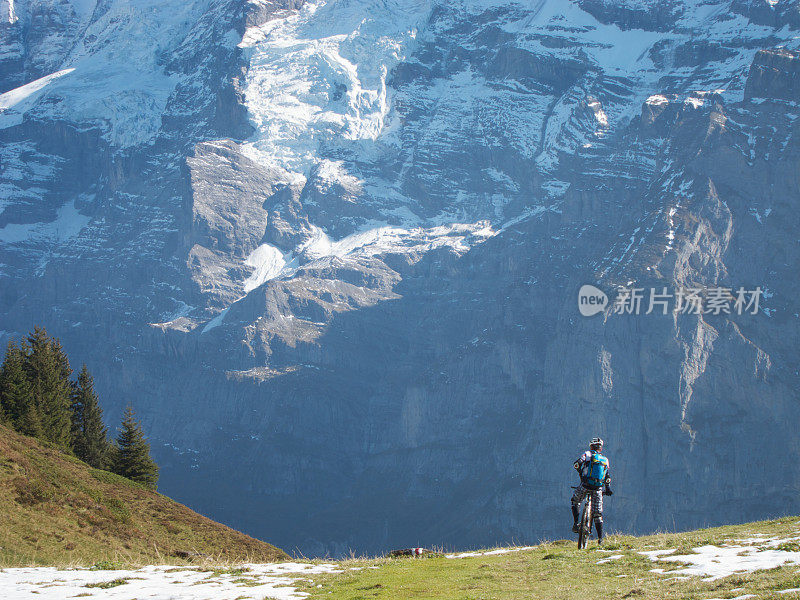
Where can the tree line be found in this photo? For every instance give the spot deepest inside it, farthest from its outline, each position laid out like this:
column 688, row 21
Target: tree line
column 39, row 398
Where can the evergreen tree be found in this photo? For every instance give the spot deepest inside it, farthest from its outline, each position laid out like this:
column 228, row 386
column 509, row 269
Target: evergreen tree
column 132, row 456
column 89, row 441
column 48, row 373
column 16, row 397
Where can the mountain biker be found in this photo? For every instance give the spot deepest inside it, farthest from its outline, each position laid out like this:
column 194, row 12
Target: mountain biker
column 594, row 470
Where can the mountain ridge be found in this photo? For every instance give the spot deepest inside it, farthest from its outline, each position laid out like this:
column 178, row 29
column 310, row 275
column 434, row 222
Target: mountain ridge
column 330, row 252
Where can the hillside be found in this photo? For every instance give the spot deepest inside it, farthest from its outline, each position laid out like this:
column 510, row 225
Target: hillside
column 57, row 510
column 754, row 560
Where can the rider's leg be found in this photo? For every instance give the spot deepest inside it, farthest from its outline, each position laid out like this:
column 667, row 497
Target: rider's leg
column 597, row 511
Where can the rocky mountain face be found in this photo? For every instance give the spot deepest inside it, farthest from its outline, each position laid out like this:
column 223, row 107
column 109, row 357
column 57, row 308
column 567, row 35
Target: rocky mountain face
column 331, row 252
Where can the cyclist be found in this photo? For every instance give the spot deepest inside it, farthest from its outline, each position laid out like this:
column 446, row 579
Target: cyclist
column 594, row 471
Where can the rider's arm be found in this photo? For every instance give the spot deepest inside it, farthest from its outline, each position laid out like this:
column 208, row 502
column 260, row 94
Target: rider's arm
column 578, row 464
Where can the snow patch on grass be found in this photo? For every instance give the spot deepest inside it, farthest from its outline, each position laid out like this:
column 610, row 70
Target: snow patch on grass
column 490, row 552
column 254, row 581
column 610, row 558
column 713, row 562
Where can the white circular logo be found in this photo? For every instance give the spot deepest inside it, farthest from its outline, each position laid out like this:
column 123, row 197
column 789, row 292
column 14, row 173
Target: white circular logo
column 591, row 300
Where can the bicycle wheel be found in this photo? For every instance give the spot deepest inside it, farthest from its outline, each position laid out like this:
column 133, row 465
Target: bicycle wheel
column 586, row 525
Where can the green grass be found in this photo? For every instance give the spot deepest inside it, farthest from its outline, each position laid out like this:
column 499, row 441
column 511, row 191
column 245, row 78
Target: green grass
column 108, row 565
column 58, row 511
column 559, row 571
column 105, row 585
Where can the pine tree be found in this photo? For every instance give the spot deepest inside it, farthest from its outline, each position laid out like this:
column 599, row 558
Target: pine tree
column 48, row 373
column 89, row 434
column 132, row 456
column 16, row 396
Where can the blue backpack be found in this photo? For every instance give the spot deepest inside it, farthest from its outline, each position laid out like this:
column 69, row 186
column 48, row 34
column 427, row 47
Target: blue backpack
column 596, row 471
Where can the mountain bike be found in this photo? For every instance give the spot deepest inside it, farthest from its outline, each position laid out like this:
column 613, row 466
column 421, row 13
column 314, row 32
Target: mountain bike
column 585, row 526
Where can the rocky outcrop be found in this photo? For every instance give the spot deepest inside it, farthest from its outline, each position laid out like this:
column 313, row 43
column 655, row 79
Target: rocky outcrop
column 625, row 14
column 771, row 14
column 775, row 73
column 36, row 38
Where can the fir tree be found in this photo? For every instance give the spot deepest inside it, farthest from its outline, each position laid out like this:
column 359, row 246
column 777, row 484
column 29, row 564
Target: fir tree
column 132, row 456
column 16, row 397
column 89, row 441
column 48, row 373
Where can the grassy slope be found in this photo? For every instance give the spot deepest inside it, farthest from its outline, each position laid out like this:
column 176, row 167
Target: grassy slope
column 56, row 510
column 559, row 571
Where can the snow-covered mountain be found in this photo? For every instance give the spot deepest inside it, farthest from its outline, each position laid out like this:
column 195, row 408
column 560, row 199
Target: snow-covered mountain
column 331, row 251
